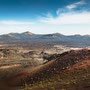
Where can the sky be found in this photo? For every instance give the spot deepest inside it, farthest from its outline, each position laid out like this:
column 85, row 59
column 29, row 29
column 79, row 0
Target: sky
column 68, row 17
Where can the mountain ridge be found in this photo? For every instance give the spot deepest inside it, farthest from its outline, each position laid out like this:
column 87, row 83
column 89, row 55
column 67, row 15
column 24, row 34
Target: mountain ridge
column 44, row 39
column 56, row 33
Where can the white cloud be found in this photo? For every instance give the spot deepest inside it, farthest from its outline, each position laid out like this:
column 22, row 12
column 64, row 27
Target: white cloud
column 81, row 2
column 12, row 22
column 71, row 6
column 67, row 15
column 75, row 5
column 61, row 10
column 69, row 18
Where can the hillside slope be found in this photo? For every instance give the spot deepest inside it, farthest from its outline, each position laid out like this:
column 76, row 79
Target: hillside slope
column 69, row 66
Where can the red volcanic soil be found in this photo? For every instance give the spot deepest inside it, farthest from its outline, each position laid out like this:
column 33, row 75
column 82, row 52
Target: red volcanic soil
column 80, row 65
column 74, row 59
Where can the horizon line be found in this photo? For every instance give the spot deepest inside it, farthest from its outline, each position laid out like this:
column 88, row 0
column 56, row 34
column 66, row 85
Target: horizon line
column 45, row 33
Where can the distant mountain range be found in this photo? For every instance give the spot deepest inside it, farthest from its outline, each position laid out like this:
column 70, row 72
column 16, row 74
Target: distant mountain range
column 55, row 38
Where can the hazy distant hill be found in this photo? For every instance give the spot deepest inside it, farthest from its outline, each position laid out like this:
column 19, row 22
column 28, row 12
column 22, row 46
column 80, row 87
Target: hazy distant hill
column 55, row 38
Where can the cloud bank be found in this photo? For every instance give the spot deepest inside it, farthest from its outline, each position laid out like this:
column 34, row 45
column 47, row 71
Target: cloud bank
column 68, row 16
column 12, row 22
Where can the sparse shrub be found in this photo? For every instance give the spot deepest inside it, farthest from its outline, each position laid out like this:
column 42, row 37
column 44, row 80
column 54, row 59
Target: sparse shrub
column 59, row 79
column 67, row 83
column 73, row 81
column 49, row 83
column 52, row 88
column 41, row 85
column 63, row 89
column 27, row 87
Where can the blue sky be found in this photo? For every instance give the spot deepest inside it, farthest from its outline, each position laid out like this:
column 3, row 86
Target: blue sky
column 45, row 16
